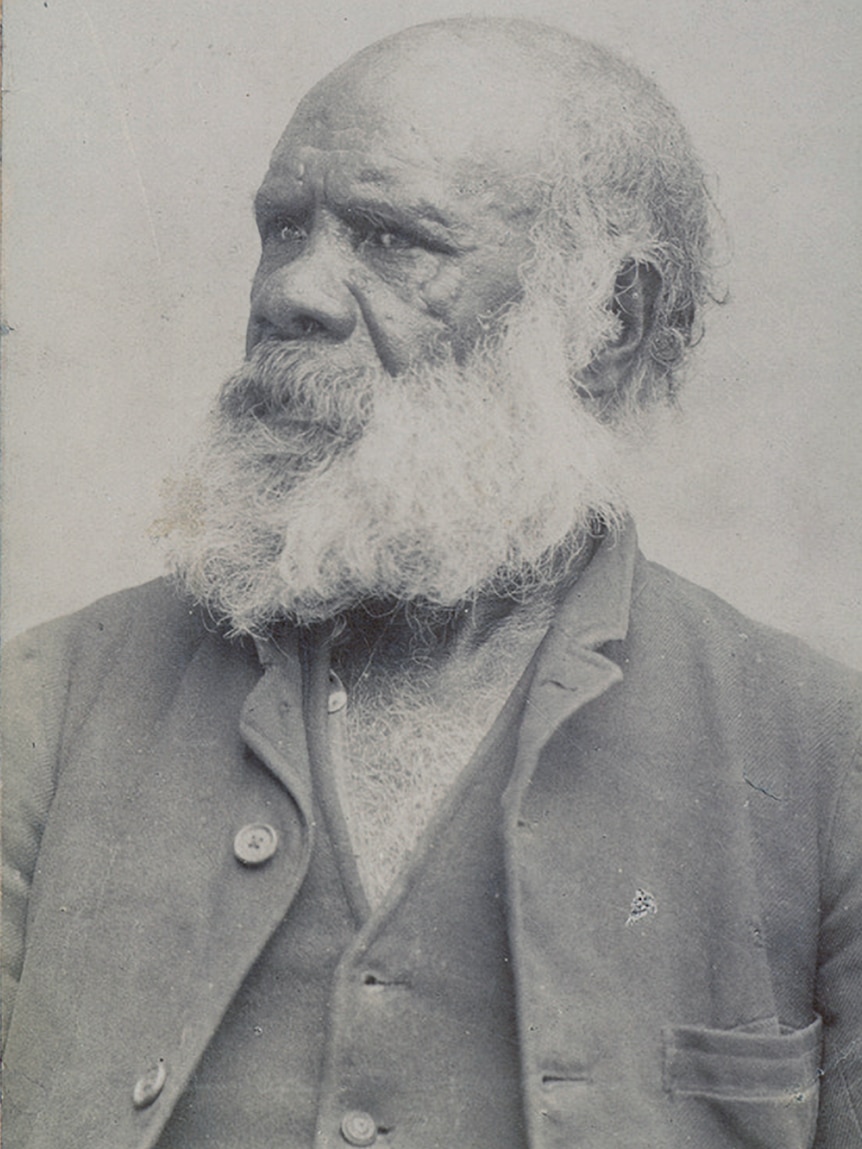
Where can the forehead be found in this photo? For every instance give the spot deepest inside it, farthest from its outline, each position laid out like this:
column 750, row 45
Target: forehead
column 429, row 132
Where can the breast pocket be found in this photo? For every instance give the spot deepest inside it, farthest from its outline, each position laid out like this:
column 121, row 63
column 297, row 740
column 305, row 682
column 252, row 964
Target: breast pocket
column 761, row 1087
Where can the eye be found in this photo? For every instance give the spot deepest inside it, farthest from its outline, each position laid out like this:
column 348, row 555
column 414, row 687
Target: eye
column 378, row 235
column 289, row 230
column 390, row 239
column 285, row 230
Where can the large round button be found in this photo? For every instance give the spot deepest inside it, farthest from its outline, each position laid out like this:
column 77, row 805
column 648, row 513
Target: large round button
column 255, row 844
column 358, row 1128
column 149, row 1085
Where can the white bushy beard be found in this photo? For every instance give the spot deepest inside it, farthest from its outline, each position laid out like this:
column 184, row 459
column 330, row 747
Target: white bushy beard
column 321, row 488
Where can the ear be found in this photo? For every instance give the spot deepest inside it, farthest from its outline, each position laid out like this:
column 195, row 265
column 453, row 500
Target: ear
column 636, row 291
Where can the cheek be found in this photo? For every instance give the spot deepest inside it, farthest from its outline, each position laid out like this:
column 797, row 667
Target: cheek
column 462, row 297
column 441, row 293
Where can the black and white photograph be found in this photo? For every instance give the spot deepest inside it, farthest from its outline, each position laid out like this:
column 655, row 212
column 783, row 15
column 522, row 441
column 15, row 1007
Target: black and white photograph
column 432, row 575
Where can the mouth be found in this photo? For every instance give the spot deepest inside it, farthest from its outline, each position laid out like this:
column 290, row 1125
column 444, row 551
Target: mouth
column 285, row 430
column 301, row 397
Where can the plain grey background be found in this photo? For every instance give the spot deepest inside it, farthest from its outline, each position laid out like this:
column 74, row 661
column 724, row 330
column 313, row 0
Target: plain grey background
column 135, row 137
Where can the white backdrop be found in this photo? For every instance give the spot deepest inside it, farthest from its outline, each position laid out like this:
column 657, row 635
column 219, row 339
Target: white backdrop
column 136, row 135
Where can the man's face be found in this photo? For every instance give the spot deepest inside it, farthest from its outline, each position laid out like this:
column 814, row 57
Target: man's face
column 386, row 232
column 373, row 448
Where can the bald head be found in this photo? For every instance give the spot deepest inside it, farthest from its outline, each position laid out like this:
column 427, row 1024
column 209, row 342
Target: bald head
column 544, row 163
column 470, row 98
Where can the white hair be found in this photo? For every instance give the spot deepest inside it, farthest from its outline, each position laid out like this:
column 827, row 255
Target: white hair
column 431, row 488
column 620, row 185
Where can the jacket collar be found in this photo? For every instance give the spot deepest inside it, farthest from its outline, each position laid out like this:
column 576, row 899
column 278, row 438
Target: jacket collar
column 596, row 608
column 272, row 721
column 569, row 670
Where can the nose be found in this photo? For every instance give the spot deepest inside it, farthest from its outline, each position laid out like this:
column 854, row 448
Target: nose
column 301, row 299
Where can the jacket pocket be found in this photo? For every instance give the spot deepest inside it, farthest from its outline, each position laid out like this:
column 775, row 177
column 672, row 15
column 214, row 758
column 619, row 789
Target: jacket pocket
column 762, row 1087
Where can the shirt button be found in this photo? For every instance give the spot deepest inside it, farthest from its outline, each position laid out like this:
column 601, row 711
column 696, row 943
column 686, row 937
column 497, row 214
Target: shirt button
column 358, row 1128
column 337, row 694
column 149, row 1085
column 255, row 844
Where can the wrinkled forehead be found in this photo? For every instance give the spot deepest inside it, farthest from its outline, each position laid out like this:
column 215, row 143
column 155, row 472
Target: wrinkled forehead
column 464, row 121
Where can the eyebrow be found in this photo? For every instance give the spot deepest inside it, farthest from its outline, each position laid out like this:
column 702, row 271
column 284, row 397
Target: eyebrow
column 274, row 199
column 379, row 178
column 395, row 209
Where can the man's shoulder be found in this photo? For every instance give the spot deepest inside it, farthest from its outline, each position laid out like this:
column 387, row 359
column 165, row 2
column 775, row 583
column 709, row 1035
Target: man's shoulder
column 154, row 627
column 155, row 607
column 697, row 633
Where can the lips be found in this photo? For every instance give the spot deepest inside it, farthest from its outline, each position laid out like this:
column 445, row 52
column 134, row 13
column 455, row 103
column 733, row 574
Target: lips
column 296, row 392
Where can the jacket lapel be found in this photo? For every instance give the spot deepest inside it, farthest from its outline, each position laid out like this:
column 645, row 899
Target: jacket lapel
column 633, row 900
column 570, row 672
column 150, row 919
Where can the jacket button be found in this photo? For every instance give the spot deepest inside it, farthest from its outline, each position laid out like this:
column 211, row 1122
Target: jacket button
column 337, row 694
column 149, row 1085
column 358, row 1128
column 255, row 844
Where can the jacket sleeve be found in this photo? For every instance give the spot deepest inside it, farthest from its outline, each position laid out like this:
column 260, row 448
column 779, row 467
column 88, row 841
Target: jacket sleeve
column 839, row 991
column 33, row 692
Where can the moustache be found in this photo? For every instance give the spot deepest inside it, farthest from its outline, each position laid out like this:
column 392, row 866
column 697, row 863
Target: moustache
column 293, row 389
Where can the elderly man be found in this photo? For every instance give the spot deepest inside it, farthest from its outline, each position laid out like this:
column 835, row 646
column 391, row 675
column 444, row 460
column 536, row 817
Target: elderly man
column 418, row 809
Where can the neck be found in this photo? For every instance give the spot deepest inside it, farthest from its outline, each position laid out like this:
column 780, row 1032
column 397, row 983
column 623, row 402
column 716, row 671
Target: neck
column 424, row 687
column 397, row 636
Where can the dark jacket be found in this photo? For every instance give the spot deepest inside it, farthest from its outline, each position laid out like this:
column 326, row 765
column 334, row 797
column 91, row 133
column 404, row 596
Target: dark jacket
column 684, row 868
